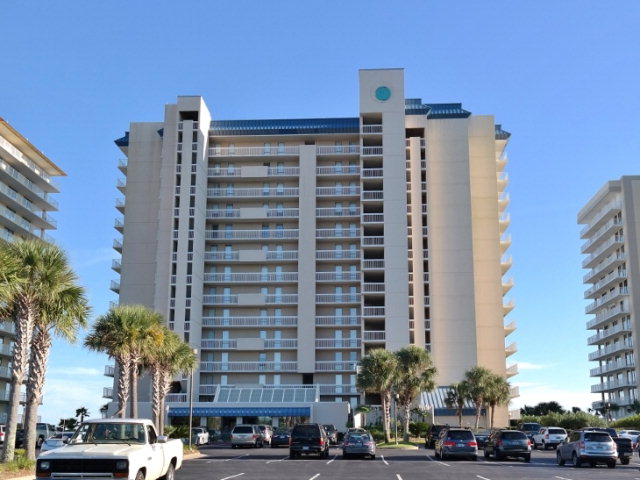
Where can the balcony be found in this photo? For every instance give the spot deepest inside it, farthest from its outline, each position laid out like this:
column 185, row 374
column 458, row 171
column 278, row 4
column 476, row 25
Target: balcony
column 115, row 265
column 370, row 218
column 607, row 229
column 510, row 328
column 374, row 336
column 373, row 287
column 107, row 392
column 612, row 261
column 115, row 286
column 607, row 247
column 511, row 349
column 253, row 172
column 327, row 366
column 277, row 192
column 252, row 234
column 337, row 321
column 605, row 283
column 338, row 191
column 608, row 334
column 109, row 371
column 338, row 298
column 612, row 385
column 372, row 151
column 118, row 224
column 251, row 255
column 604, row 300
column 372, row 195
column 248, row 366
column 117, row 246
column 338, row 390
column 338, row 170
column 612, row 367
column 369, row 129
column 337, row 233
column 338, row 255
column 373, row 265
column 341, row 277
column 600, row 218
column 608, row 351
column 261, row 151
column 372, row 172
column 512, row 370
column 373, row 312
column 373, row 241
column 605, row 316
column 508, row 307
column 335, row 212
column 337, row 343
column 258, row 277
column 250, row 321
column 505, row 264
column 250, row 299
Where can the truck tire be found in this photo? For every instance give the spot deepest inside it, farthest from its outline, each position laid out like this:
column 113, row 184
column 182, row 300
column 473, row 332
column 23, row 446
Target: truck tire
column 140, row 475
column 171, row 473
column 625, row 460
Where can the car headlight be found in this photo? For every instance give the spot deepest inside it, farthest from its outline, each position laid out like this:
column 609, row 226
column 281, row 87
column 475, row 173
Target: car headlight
column 122, row 465
column 44, row 465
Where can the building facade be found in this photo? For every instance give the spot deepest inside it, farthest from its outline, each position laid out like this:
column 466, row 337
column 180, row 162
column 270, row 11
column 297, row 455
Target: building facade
column 26, row 200
column 285, row 250
column 611, row 230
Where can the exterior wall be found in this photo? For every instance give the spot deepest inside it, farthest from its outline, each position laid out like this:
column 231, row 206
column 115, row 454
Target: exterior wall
column 284, row 256
column 27, row 188
column 611, row 249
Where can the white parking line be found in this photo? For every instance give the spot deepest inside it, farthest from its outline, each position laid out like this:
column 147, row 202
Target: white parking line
column 385, row 462
column 280, row 460
column 398, row 476
column 235, row 458
column 334, row 457
column 232, row 476
column 482, row 478
column 315, row 476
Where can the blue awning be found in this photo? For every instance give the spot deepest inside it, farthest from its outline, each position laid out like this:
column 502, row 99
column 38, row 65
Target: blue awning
column 242, row 412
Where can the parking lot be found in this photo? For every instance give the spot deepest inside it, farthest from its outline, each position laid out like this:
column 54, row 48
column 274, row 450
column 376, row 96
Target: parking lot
column 222, row 463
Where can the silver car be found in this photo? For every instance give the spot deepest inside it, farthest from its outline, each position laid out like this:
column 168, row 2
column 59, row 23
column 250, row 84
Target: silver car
column 247, row 436
column 359, row 444
column 456, row 442
column 58, row 440
column 588, row 448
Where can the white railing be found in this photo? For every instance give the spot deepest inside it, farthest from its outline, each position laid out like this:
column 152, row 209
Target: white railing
column 334, row 321
column 338, row 170
column 338, row 298
column 611, row 349
column 595, row 237
column 372, row 172
column 224, row 344
column 613, row 384
column 324, row 343
column 251, row 234
column 604, row 265
column 253, row 192
column 372, row 241
column 338, row 233
column 17, row 154
column 253, row 151
column 338, row 389
column 373, row 218
column 336, row 366
column 366, row 151
column 600, row 301
column 607, row 210
column 287, row 321
column 612, row 367
column 612, row 242
column 251, row 277
column 374, row 335
column 337, row 149
column 373, row 311
column 337, row 255
column 606, row 315
column 373, row 264
column 107, row 392
column 248, row 366
column 337, row 276
column 372, row 195
column 338, row 212
column 371, row 287
column 371, row 129
column 346, row 191
column 616, row 275
column 278, row 343
column 109, row 370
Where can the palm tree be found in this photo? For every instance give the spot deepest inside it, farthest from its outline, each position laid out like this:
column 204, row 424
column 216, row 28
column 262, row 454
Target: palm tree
column 63, row 319
column 416, row 374
column 498, row 393
column 377, row 374
column 82, row 412
column 124, row 333
column 457, row 395
column 33, row 285
column 171, row 356
column 478, row 381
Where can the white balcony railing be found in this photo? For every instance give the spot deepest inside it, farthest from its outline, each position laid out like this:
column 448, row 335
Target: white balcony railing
column 284, row 321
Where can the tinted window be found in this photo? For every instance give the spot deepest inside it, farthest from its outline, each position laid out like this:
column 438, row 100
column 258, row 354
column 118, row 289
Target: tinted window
column 306, row 431
column 460, row 435
column 248, row 429
column 557, row 430
column 514, row 436
column 596, row 437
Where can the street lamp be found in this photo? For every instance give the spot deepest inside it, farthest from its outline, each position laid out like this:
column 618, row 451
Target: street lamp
column 195, row 352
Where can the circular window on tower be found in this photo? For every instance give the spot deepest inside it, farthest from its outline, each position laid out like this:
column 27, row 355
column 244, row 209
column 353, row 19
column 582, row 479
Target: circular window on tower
column 383, row 93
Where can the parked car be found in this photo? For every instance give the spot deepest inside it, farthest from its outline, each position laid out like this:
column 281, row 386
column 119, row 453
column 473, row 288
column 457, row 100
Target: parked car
column 280, row 438
column 332, row 433
column 19, row 437
column 2, row 433
column 432, row 435
column 624, row 445
column 199, row 436
column 508, row 443
column 359, row 444
column 267, row 433
column 456, row 442
column 44, row 431
column 588, row 447
column 631, row 435
column 246, row 436
column 549, row 437
column 529, row 429
column 58, row 440
column 307, row 438
column 481, row 437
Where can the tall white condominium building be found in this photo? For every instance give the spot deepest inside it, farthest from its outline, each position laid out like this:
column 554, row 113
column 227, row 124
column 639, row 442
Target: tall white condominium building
column 611, row 222
column 285, row 250
column 26, row 188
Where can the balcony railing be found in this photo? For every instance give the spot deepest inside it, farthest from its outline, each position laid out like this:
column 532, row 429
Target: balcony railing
column 248, row 366
column 612, row 385
column 337, row 343
column 608, row 333
column 107, row 392
column 109, row 371
column 596, row 236
column 608, row 245
column 337, row 233
column 608, row 210
column 345, row 191
column 337, row 276
column 612, row 367
column 338, row 170
column 605, row 265
column 611, row 349
column 373, row 312
column 606, row 315
column 338, row 390
column 611, row 278
column 251, row 234
column 338, row 212
column 253, row 192
column 328, row 366
column 604, row 299
column 258, row 277
column 374, row 336
column 336, row 321
column 337, row 254
column 338, row 298
column 253, row 151
column 286, row 321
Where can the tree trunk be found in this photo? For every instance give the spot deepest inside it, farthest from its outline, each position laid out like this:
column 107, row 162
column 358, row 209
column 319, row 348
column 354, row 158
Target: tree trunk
column 386, row 416
column 40, row 348
column 155, row 396
column 407, row 420
column 135, row 362
column 123, row 387
column 493, row 411
column 167, row 378
column 20, row 357
column 478, row 412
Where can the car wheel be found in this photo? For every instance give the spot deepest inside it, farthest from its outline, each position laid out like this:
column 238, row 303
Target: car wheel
column 474, row 458
column 559, row 459
column 625, row 460
column 527, row 458
column 373, row 457
column 171, row 473
column 498, row 455
column 611, row 464
column 140, row 475
column 576, row 461
column 486, row 454
column 345, row 455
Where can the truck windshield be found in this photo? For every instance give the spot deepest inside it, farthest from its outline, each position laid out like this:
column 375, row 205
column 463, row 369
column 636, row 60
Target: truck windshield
column 109, row 432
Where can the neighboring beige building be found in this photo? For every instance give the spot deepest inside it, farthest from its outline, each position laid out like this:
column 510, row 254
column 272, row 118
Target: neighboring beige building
column 26, row 188
column 285, row 250
column 611, row 222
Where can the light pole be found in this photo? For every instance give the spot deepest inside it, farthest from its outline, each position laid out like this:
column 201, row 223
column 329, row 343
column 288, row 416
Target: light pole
column 395, row 415
column 195, row 352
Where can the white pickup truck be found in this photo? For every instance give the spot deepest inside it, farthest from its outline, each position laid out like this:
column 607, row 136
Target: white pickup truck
column 113, row 448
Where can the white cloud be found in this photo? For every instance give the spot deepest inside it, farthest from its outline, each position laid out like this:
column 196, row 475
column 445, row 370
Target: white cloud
column 533, row 393
column 76, row 371
column 531, row 366
column 62, row 397
column 86, row 258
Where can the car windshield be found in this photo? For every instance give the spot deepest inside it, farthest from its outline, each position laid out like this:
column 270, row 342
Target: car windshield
column 282, row 431
column 460, row 435
column 514, row 436
column 110, row 432
column 306, row 431
column 557, row 431
column 248, row 429
column 596, row 437
column 358, row 437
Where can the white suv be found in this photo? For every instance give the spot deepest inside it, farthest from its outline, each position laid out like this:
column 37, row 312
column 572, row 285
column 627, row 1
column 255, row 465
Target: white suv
column 549, row 437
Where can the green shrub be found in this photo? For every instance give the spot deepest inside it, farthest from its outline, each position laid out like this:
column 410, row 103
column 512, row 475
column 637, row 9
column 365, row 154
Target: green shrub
column 632, row 421
column 177, row 431
column 418, row 429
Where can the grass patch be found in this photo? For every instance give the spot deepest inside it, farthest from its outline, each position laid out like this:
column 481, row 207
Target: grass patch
column 20, row 466
column 400, row 445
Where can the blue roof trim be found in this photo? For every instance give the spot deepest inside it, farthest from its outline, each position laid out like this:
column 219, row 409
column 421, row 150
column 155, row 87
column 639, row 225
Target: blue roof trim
column 501, row 134
column 242, row 412
column 414, row 106
column 285, row 126
column 123, row 141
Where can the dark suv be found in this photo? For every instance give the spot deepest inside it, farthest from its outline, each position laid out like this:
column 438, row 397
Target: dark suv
column 456, row 442
column 508, row 443
column 432, row 435
column 309, row 438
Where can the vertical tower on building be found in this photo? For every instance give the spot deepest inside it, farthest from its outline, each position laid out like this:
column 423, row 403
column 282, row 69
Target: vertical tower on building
column 285, row 250
column 611, row 232
column 26, row 188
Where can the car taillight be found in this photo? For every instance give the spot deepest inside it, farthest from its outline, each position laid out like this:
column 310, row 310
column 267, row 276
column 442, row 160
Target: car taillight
column 255, row 437
column 499, row 443
column 472, row 444
column 321, row 442
column 449, row 443
column 581, row 445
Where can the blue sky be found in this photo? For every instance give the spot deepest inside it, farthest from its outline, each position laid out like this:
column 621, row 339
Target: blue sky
column 561, row 76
